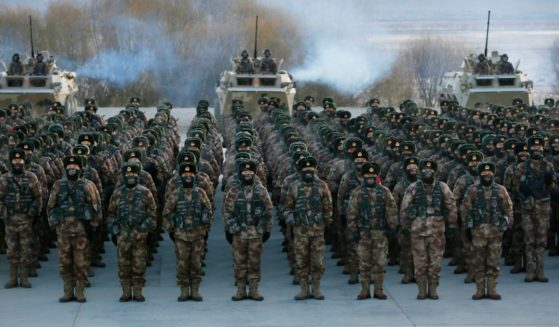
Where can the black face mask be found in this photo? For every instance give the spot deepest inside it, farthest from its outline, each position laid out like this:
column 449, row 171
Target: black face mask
column 428, row 177
column 17, row 169
column 473, row 171
column 247, row 179
column 411, row 177
column 511, row 158
column 500, row 153
column 536, row 155
column 187, row 181
column 307, row 177
column 486, row 180
column 370, row 181
column 397, row 156
column 554, row 151
column 72, row 174
column 131, row 181
column 489, row 152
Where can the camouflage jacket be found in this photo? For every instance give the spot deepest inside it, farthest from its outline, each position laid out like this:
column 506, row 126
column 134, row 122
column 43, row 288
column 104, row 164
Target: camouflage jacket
column 20, row 197
column 357, row 208
column 495, row 208
column 189, row 220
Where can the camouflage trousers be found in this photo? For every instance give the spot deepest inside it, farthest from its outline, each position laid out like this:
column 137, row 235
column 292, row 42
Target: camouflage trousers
column 290, row 247
column 517, row 235
column 372, row 251
column 74, row 257
column 487, row 243
column 406, row 257
column 554, row 227
column 535, row 223
column 131, row 251
column 309, row 256
column 189, row 261
column 427, row 254
column 351, row 255
column 19, row 243
column 246, row 258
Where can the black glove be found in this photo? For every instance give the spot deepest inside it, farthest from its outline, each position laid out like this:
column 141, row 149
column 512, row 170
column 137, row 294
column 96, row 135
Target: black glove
column 229, row 237
column 265, row 237
column 113, row 239
column 88, row 228
column 391, row 234
column 172, row 236
column 548, row 179
column 469, row 235
column 356, row 236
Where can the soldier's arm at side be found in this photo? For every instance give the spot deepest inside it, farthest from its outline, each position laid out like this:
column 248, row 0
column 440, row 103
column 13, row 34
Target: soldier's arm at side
column 151, row 208
column 37, row 192
column 507, row 206
column 468, row 204
column 267, row 209
column 170, row 206
column 327, row 204
column 406, row 202
column 391, row 210
column 450, row 204
column 353, row 210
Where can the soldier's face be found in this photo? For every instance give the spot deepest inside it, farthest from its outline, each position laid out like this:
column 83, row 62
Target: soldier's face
column 18, row 161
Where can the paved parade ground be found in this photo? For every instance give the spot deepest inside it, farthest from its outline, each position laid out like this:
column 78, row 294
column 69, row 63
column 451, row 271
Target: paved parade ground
column 534, row 304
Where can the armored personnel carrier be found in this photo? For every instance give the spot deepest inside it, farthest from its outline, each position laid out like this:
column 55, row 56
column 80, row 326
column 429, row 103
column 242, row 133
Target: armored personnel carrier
column 470, row 89
column 248, row 87
column 41, row 91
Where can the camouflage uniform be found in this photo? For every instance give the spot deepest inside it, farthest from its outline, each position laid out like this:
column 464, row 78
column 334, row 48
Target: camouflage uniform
column 424, row 210
column 132, row 215
column 247, row 214
column 20, row 205
column 311, row 207
column 186, row 216
column 74, row 207
column 486, row 213
column 372, row 212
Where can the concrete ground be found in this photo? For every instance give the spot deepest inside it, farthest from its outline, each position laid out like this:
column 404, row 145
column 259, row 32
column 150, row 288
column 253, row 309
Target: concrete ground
column 523, row 304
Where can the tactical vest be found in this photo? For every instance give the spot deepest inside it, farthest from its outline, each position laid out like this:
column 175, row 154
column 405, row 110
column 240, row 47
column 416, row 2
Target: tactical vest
column 71, row 202
column 241, row 213
column 419, row 208
column 479, row 215
column 365, row 216
column 22, row 189
column 134, row 215
column 188, row 214
column 352, row 184
column 308, row 211
column 535, row 181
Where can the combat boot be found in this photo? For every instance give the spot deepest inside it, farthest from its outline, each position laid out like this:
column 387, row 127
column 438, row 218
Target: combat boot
column 184, row 294
column 316, row 294
column 241, row 292
column 421, row 288
column 253, row 291
column 530, row 273
column 138, row 297
column 492, row 289
column 540, row 276
column 460, row 269
column 126, row 291
column 469, row 277
column 195, row 293
column 23, row 281
column 365, row 291
column 379, row 291
column 517, row 266
column 12, row 282
column 408, row 276
column 33, row 271
column 353, row 277
column 433, row 284
column 304, row 292
column 480, row 289
column 68, row 291
column 80, row 291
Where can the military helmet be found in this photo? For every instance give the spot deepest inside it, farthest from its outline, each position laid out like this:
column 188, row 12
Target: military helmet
column 185, row 156
column 74, row 160
column 27, row 145
column 307, row 162
column 360, row 154
column 186, row 167
column 511, row 144
column 474, row 156
column 131, row 167
column 80, row 150
column 243, row 156
column 134, row 153
column 536, row 140
column 370, row 168
column 411, row 161
column 16, row 154
column 428, row 163
column 247, row 165
column 353, row 142
column 521, row 147
column 486, row 166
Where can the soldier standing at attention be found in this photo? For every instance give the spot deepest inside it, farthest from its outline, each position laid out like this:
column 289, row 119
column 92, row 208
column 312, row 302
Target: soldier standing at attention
column 310, row 203
column 486, row 214
column 372, row 214
column 426, row 205
column 132, row 215
column 247, row 214
column 534, row 179
column 186, row 216
column 20, row 204
column 74, row 209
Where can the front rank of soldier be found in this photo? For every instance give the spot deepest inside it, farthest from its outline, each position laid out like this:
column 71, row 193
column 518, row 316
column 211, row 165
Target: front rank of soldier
column 426, row 205
column 372, row 215
column 74, row 209
column 132, row 215
column 486, row 214
column 186, row 216
column 247, row 214
column 20, row 206
column 310, row 205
